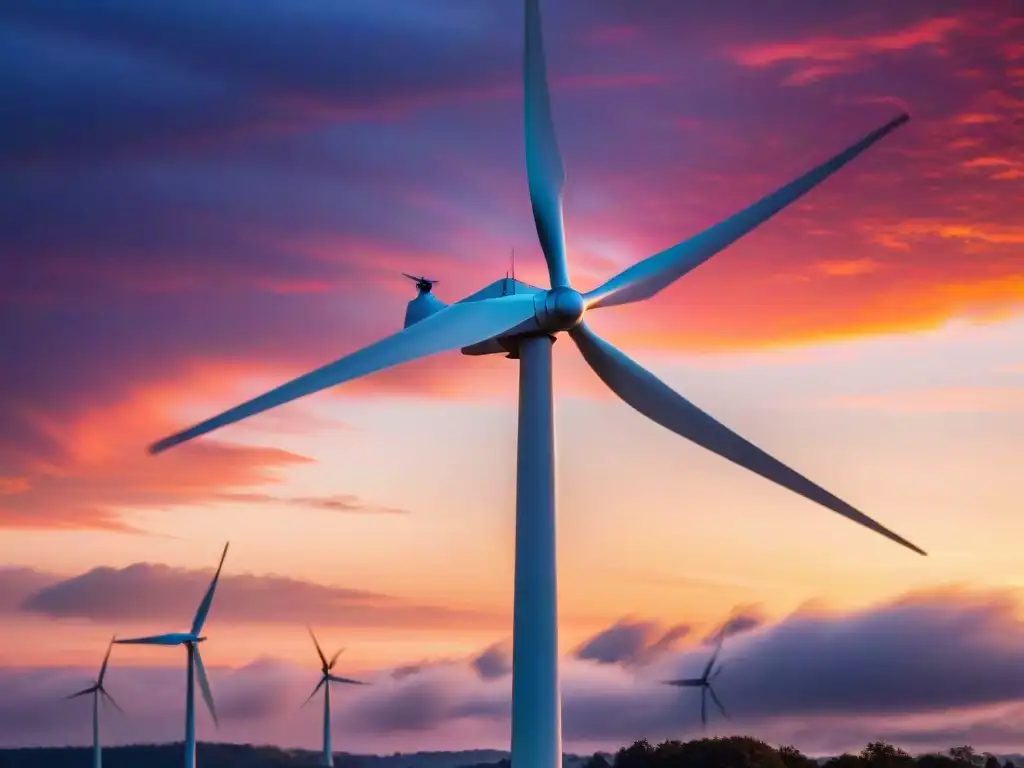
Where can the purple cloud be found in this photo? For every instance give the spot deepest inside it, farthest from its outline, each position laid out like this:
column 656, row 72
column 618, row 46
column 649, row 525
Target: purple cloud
column 494, row 662
column 924, row 672
column 630, row 642
column 146, row 592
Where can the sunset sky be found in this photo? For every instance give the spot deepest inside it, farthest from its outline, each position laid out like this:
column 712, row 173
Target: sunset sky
column 199, row 201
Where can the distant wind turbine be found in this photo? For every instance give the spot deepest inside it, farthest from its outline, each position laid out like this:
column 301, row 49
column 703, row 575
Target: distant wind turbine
column 704, row 683
column 191, row 640
column 326, row 678
column 97, row 690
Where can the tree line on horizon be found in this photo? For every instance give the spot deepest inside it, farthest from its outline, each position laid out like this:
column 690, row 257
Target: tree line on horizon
column 725, row 752
column 748, row 752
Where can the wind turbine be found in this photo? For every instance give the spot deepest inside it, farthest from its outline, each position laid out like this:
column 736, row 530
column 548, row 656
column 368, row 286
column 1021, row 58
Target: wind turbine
column 704, row 683
column 326, row 678
column 524, row 325
column 97, row 690
column 191, row 640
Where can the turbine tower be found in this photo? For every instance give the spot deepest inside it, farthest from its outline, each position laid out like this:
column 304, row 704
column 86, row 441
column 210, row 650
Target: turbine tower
column 704, row 683
column 326, row 678
column 97, row 690
column 195, row 668
column 525, row 325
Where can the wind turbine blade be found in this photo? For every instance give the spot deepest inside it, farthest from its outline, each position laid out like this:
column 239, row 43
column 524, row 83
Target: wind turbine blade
column 716, row 673
column 318, row 687
column 714, row 655
column 645, row 392
column 106, row 660
column 334, row 658
column 82, row 692
column 110, row 698
column 455, row 326
column 646, row 278
column 545, row 172
column 704, row 706
column 345, row 680
column 173, row 638
column 688, row 683
column 204, row 606
column 718, row 703
column 204, row 686
column 319, row 652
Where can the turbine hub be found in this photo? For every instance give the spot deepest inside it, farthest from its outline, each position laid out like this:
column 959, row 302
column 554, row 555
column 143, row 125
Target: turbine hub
column 563, row 309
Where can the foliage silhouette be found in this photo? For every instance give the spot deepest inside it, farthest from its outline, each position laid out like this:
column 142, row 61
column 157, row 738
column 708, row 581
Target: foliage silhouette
column 730, row 752
column 794, row 758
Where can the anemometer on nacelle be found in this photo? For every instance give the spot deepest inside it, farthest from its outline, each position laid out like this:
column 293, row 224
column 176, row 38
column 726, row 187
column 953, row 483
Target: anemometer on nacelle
column 425, row 304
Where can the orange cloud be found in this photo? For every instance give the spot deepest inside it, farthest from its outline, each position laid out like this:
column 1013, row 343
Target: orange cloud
column 1011, row 174
column 902, row 220
column 849, row 268
column 846, row 49
column 12, row 485
column 749, row 304
column 988, row 162
column 976, row 118
column 920, row 229
column 101, row 469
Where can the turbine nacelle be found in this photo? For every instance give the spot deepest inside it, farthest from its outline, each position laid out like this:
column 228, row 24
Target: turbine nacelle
column 560, row 309
column 556, row 310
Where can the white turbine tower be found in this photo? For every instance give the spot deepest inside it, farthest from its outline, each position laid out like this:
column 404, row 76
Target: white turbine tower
column 326, row 678
column 524, row 325
column 97, row 690
column 191, row 640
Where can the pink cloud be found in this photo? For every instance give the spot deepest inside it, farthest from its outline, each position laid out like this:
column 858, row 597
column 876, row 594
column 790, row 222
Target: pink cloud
column 830, row 49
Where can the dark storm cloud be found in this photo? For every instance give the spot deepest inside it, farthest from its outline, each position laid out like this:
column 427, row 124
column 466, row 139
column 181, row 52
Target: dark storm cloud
column 147, row 593
column 630, row 642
